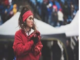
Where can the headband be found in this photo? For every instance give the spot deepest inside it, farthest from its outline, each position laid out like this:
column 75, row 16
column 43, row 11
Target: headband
column 26, row 15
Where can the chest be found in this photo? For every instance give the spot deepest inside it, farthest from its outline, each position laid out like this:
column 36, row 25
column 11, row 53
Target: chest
column 25, row 38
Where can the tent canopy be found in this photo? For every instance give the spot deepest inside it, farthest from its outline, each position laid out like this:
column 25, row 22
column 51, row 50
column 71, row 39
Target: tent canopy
column 11, row 26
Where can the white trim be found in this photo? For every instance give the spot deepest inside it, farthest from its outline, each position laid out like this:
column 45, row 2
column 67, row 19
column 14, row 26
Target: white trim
column 30, row 32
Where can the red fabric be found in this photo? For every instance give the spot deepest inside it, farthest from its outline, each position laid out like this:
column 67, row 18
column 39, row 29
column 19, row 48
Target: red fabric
column 26, row 15
column 24, row 48
column 55, row 7
column 6, row 2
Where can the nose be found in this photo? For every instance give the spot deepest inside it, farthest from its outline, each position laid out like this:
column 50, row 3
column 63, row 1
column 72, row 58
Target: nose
column 31, row 21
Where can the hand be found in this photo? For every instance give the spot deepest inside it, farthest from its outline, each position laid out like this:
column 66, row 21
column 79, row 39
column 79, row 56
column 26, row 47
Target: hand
column 36, row 51
column 35, row 39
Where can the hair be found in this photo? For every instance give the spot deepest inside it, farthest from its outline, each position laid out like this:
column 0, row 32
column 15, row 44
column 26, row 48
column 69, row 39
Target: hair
column 24, row 24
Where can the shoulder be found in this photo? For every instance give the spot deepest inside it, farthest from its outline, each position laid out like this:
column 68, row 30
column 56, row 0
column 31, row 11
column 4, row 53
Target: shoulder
column 18, row 32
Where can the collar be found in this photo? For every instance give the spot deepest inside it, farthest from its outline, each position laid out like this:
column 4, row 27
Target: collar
column 31, row 31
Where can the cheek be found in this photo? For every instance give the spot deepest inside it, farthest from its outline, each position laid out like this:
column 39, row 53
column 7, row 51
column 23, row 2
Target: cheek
column 28, row 21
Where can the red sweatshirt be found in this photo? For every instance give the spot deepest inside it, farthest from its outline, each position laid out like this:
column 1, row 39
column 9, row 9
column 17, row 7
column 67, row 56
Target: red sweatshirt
column 24, row 48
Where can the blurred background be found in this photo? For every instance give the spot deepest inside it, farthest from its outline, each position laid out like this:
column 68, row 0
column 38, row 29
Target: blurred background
column 57, row 20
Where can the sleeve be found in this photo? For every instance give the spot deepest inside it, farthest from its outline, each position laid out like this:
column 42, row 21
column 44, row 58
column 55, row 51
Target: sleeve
column 19, row 48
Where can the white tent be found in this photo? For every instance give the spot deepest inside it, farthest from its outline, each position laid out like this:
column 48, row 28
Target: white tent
column 72, row 29
column 11, row 26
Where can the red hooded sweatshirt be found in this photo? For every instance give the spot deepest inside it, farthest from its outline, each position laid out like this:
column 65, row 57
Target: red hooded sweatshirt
column 24, row 48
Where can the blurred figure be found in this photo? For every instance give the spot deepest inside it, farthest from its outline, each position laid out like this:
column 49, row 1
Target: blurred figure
column 39, row 3
column 1, row 51
column 54, row 16
column 76, row 50
column 56, row 51
column 65, row 10
column 5, row 52
column 46, row 51
column 10, row 51
column 49, row 8
column 6, row 2
column 57, row 4
column 2, row 9
column 65, row 55
column 10, row 2
column 0, row 21
column 63, row 1
column 14, row 9
column 73, row 11
column 60, row 17
column 65, row 20
column 8, row 13
column 44, row 11
column 69, row 50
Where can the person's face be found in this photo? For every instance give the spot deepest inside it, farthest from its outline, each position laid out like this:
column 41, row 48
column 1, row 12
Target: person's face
column 30, row 21
column 67, row 43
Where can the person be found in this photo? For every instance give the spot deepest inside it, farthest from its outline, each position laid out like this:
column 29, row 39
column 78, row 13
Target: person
column 2, row 9
column 69, row 50
column 1, row 21
column 56, row 51
column 27, row 43
column 46, row 51
column 54, row 18
column 44, row 11
column 14, row 9
column 76, row 50
column 8, row 12
column 60, row 17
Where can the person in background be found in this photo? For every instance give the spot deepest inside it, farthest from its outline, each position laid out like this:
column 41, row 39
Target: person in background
column 66, row 9
column 57, row 4
column 44, row 11
column 39, row 3
column 49, row 9
column 2, row 9
column 73, row 11
column 63, row 1
column 6, row 2
column 5, row 52
column 65, row 20
column 46, row 51
column 69, row 50
column 10, row 2
column 56, row 51
column 27, row 43
column 0, row 21
column 14, row 9
column 8, row 12
column 54, row 16
column 10, row 51
column 76, row 50
column 60, row 18
column 1, row 50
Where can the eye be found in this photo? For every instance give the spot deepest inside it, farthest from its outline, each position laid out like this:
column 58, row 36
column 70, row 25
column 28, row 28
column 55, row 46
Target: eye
column 31, row 18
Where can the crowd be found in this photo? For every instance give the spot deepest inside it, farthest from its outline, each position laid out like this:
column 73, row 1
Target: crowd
column 56, row 12
column 55, row 53
column 7, row 10
column 53, row 12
